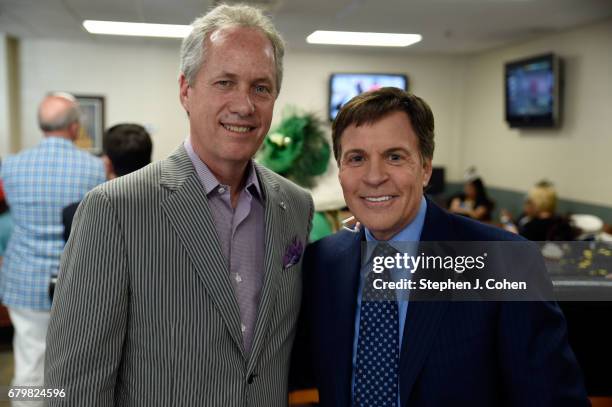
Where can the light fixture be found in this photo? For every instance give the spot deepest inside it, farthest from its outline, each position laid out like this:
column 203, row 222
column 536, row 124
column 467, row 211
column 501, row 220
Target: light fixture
column 136, row 29
column 363, row 38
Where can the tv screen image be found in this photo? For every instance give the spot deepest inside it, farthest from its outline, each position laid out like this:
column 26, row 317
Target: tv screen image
column 345, row 86
column 532, row 92
column 531, row 89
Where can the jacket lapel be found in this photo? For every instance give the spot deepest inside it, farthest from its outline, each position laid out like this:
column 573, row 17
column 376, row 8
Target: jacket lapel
column 273, row 266
column 344, row 286
column 188, row 211
column 422, row 322
column 423, row 317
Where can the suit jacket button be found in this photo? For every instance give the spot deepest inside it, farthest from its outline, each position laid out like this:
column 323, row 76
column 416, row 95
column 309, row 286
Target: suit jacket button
column 252, row 377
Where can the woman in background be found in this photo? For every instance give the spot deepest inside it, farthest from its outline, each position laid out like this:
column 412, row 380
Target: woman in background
column 474, row 201
column 539, row 220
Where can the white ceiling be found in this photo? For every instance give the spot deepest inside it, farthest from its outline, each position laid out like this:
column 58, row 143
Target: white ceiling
column 447, row 26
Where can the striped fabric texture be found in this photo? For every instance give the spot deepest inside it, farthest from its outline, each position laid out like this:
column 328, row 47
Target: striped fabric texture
column 145, row 312
column 39, row 183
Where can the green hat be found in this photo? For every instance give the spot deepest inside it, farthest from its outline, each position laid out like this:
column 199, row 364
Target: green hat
column 296, row 149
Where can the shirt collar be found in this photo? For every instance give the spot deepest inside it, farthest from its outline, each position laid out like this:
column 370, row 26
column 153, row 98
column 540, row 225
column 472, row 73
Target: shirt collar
column 58, row 141
column 410, row 233
column 210, row 182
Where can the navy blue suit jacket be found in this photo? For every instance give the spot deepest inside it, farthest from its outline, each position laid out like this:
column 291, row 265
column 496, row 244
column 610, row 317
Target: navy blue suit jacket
column 453, row 353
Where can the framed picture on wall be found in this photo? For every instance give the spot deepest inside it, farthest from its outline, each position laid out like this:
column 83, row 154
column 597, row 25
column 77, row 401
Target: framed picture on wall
column 92, row 123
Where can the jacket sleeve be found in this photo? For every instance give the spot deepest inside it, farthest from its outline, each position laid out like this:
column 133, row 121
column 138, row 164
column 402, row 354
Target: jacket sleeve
column 301, row 376
column 538, row 365
column 89, row 314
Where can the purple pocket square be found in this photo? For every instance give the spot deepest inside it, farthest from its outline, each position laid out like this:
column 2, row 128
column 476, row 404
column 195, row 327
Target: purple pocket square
column 293, row 253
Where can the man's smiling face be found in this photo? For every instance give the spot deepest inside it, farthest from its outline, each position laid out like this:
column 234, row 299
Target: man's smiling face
column 382, row 173
column 231, row 101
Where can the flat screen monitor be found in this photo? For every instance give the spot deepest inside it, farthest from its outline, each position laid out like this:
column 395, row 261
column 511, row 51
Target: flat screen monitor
column 533, row 91
column 345, row 86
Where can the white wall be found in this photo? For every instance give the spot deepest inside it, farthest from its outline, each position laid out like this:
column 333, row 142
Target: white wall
column 138, row 79
column 577, row 157
column 438, row 79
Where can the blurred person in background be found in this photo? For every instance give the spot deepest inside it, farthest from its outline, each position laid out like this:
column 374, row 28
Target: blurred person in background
column 539, row 220
column 6, row 225
column 474, row 201
column 39, row 183
column 126, row 147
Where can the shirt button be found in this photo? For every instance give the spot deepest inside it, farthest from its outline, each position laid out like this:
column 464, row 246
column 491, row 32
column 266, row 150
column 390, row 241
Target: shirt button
column 238, row 278
column 242, row 328
column 221, row 190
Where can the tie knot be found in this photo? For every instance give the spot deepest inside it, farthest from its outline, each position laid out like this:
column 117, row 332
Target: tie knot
column 377, row 273
column 383, row 249
column 371, row 250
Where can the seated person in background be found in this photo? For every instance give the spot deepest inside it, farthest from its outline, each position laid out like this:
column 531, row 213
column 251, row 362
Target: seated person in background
column 473, row 202
column 538, row 222
column 127, row 147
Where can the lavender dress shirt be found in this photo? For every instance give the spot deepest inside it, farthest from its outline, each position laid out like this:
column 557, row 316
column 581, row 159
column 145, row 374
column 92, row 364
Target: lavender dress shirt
column 241, row 233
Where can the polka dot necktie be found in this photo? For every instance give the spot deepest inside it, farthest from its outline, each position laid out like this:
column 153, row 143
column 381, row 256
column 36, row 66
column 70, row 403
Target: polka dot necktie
column 376, row 377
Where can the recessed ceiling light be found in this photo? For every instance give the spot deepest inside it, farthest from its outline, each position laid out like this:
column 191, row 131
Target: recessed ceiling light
column 363, row 38
column 136, row 29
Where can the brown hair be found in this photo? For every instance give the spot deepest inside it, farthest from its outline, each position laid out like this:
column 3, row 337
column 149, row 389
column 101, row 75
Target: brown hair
column 370, row 107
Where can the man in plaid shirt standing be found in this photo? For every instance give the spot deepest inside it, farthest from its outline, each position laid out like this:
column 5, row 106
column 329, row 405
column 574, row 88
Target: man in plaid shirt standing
column 38, row 184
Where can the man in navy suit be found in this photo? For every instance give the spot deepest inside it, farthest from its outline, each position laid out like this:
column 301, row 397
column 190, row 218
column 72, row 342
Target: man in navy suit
column 403, row 352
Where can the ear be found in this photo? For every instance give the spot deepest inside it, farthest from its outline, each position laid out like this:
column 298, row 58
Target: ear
column 339, row 174
column 75, row 130
column 427, row 168
column 108, row 168
column 184, row 92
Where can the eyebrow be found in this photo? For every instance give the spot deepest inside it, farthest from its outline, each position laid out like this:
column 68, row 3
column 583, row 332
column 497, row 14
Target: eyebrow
column 352, row 151
column 394, row 149
column 387, row 151
column 233, row 76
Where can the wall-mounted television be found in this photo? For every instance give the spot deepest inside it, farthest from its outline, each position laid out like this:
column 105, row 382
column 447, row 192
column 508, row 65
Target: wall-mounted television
column 533, row 91
column 344, row 86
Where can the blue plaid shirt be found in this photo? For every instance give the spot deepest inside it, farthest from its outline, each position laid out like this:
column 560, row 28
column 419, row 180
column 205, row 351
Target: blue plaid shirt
column 38, row 184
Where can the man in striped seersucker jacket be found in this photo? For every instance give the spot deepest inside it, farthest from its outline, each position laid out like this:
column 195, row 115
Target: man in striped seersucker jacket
column 181, row 283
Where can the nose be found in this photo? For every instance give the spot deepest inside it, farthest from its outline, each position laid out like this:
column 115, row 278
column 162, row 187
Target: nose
column 375, row 173
column 242, row 103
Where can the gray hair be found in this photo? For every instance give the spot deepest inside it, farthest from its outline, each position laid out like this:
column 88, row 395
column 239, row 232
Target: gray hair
column 193, row 49
column 63, row 120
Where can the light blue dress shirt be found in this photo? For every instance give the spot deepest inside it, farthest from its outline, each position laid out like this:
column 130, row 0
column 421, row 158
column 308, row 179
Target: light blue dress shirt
column 38, row 184
column 411, row 233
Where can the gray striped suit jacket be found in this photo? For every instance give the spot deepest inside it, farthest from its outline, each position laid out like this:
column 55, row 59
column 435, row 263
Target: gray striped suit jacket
column 144, row 311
